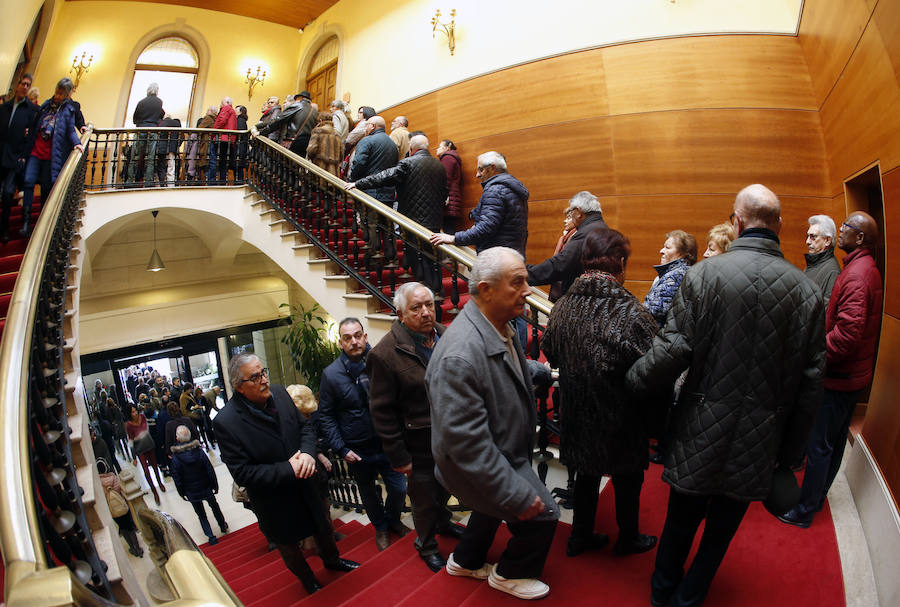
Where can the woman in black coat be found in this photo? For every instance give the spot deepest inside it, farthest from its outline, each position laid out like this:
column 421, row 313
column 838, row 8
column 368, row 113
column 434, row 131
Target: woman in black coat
column 602, row 429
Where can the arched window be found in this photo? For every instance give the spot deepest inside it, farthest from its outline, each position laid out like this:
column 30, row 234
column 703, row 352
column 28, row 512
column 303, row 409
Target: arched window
column 321, row 79
column 172, row 63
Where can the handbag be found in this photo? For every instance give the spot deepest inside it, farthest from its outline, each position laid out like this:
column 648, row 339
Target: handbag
column 143, row 443
column 117, row 502
column 238, row 493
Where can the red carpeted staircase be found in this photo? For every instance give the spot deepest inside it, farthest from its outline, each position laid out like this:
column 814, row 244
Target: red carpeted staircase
column 769, row 563
column 11, row 255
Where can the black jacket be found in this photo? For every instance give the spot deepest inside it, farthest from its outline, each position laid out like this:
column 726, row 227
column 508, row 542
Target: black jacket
column 169, row 141
column 256, row 448
column 15, row 138
column 299, row 119
column 421, row 183
column 501, row 217
column 823, row 269
column 375, row 153
column 148, row 112
column 194, row 476
column 344, row 409
column 565, row 266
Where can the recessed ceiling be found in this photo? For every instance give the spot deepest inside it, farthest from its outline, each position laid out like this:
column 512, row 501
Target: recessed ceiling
column 293, row 13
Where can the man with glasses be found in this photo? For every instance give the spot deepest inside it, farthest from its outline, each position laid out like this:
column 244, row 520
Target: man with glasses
column 852, row 325
column 346, row 423
column 16, row 119
column 565, row 266
column 271, row 450
column 821, row 265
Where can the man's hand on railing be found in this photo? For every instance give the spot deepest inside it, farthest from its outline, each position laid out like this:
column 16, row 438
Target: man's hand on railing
column 80, row 148
column 441, row 238
column 350, row 185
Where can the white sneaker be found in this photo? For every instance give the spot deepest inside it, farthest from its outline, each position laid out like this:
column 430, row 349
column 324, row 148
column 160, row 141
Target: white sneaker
column 481, row 573
column 521, row 588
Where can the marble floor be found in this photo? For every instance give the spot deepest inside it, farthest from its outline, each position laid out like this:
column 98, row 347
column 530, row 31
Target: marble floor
column 859, row 582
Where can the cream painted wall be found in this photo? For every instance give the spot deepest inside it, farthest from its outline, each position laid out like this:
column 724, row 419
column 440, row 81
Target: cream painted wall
column 112, row 29
column 389, row 56
column 18, row 17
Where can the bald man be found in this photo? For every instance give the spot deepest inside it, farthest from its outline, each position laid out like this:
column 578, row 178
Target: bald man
column 852, row 324
column 749, row 327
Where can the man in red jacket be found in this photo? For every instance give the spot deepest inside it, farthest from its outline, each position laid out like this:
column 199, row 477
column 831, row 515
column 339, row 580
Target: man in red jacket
column 227, row 119
column 852, row 323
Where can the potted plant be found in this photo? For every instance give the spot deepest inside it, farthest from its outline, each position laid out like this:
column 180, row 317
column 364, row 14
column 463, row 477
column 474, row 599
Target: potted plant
column 310, row 347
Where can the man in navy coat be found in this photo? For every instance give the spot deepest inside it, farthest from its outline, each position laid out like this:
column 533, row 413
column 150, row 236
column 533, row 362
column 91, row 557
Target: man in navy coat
column 271, row 451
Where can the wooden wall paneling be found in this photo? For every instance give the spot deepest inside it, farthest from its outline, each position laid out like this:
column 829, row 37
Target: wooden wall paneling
column 707, row 72
column 890, row 183
column 545, row 221
column 861, row 118
column 881, row 429
column 422, row 115
column 638, row 288
column 559, row 89
column 829, row 31
column 719, row 151
column 554, row 162
column 887, row 21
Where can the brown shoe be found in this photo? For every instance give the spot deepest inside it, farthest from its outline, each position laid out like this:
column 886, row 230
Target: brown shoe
column 382, row 539
column 399, row 528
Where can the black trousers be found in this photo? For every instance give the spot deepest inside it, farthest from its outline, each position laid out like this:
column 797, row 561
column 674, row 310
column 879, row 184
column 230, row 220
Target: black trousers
column 292, row 554
column 423, row 269
column 525, row 553
column 627, row 489
column 429, row 503
column 685, row 512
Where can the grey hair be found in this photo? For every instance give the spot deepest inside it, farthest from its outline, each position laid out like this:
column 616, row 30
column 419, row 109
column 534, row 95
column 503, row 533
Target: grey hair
column 182, row 434
column 585, row 202
column 419, row 142
column 826, row 224
column 401, row 296
column 152, row 88
column 226, row 100
column 66, row 84
column 494, row 159
column 235, row 364
column 338, row 104
column 490, row 266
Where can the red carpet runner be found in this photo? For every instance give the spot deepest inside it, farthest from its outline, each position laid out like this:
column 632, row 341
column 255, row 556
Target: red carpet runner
column 769, row 563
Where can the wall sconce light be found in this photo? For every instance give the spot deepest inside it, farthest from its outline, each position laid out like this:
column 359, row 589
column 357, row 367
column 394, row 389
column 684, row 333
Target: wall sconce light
column 80, row 65
column 448, row 29
column 254, row 79
column 156, row 263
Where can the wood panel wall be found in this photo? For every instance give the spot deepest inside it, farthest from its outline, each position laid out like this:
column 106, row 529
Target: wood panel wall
column 852, row 49
column 665, row 132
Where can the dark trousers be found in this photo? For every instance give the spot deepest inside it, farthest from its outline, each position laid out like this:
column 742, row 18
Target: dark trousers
column 422, row 268
column 627, row 489
column 381, row 514
column 201, row 514
column 429, row 503
column 37, row 172
column 7, row 191
column 378, row 232
column 145, row 144
column 225, row 151
column 685, row 513
column 826, row 448
column 213, row 164
column 292, row 554
column 525, row 553
column 299, row 145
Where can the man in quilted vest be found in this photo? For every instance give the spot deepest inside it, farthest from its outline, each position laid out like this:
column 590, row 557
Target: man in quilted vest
column 749, row 328
column 852, row 325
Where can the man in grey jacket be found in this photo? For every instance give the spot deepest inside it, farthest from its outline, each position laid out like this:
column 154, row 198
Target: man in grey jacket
column 483, row 419
column 749, row 326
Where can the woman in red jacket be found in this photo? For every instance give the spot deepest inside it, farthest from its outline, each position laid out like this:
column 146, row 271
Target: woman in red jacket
column 446, row 151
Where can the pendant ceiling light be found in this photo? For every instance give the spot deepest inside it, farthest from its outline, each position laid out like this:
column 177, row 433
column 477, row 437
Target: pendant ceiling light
column 156, row 263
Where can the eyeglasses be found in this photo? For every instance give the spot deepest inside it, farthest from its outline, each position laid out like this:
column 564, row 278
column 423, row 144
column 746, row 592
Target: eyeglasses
column 850, row 227
column 257, row 377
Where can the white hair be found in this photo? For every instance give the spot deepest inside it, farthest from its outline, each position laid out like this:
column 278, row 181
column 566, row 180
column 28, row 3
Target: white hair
column 494, row 159
column 826, row 225
column 182, row 434
column 235, row 365
column 490, row 266
column 338, row 104
column 226, row 100
column 585, row 202
column 152, row 88
column 401, row 295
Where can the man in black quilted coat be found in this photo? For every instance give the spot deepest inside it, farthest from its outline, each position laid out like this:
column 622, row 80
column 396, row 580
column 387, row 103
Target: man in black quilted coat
column 421, row 183
column 750, row 328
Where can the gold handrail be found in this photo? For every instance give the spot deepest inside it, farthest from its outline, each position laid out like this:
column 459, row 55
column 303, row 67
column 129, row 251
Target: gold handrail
column 461, row 254
column 23, row 551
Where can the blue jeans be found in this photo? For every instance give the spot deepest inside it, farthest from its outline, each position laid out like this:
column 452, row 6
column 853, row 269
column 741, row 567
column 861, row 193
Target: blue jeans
column 382, row 515
column 36, row 171
column 211, row 171
column 826, row 448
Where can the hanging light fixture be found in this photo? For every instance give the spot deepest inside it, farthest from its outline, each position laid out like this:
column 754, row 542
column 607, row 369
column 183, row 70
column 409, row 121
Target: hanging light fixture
column 156, row 263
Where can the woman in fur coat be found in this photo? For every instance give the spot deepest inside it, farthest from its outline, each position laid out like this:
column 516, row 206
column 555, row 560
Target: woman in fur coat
column 596, row 331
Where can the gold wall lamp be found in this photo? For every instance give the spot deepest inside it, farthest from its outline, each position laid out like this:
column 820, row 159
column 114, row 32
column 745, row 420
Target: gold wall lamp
column 448, row 29
column 80, row 66
column 255, row 78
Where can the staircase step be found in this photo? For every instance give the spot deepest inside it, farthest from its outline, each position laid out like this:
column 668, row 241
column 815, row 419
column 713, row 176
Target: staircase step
column 11, row 262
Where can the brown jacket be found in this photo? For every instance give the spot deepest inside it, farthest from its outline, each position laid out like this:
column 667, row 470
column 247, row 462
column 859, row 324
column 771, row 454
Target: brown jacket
column 398, row 402
column 325, row 148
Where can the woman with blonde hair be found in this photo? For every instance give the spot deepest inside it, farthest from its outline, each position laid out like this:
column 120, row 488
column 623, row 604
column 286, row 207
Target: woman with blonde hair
column 719, row 239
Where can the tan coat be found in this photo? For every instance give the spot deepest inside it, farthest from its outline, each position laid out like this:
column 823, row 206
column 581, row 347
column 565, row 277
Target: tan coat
column 325, row 148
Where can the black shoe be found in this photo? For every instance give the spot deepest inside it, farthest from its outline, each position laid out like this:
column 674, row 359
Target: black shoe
column 4, row 236
column 578, row 544
column 793, row 517
column 656, row 458
column 399, row 528
column 311, row 584
column 452, row 530
column 658, row 601
column 341, row 564
column 642, row 543
column 434, row 561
